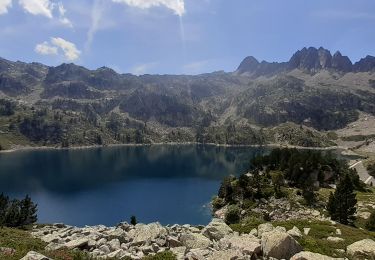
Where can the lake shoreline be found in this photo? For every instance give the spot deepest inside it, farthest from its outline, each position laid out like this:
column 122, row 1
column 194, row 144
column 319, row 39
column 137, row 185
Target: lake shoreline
column 84, row 147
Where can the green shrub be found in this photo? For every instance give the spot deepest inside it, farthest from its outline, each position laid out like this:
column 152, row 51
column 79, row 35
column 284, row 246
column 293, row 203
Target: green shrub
column 370, row 224
column 217, row 203
column 233, row 214
column 167, row 255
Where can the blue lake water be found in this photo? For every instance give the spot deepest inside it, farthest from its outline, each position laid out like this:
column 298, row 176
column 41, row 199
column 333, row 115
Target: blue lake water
column 166, row 183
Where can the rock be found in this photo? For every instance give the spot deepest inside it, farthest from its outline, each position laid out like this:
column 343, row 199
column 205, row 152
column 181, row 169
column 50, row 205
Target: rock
column 173, row 242
column 34, row 256
column 7, row 251
column 304, row 255
column 117, row 233
column 116, row 254
column 78, row 243
column 364, row 215
column 281, row 229
column 216, row 229
column 254, row 232
column 362, row 249
column 59, row 225
column 262, row 228
column 335, row 239
column 279, row 245
column 306, row 231
column 114, row 244
column 51, row 238
column 143, row 234
column 248, row 244
column 338, row 232
column 179, row 252
column 193, row 241
column 295, row 232
column 229, row 254
column 105, row 249
column 53, row 246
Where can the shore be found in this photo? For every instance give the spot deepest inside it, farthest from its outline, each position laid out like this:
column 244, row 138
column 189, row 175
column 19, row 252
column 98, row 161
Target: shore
column 270, row 145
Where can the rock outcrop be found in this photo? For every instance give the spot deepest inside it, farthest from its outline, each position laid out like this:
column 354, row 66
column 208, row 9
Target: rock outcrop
column 280, row 245
column 364, row 249
column 304, row 255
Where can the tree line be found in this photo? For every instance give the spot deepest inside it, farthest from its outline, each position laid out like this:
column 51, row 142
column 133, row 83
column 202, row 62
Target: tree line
column 17, row 213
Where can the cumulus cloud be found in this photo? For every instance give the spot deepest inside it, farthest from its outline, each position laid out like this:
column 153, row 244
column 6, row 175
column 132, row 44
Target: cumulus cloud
column 46, row 49
column 4, row 6
column 69, row 49
column 177, row 6
column 38, row 7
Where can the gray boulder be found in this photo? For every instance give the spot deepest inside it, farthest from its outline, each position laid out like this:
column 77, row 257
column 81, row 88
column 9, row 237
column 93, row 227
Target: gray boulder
column 34, row 256
column 304, row 255
column 295, row 232
column 362, row 249
column 217, row 229
column 194, row 241
column 143, row 234
column 279, row 245
column 262, row 228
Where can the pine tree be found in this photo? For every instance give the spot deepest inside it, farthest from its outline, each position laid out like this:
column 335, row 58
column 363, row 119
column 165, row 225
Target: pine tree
column 341, row 204
column 133, row 220
column 27, row 212
column 4, row 202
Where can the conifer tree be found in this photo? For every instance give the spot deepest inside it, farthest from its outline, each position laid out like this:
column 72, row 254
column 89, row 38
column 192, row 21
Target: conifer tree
column 341, row 204
column 27, row 212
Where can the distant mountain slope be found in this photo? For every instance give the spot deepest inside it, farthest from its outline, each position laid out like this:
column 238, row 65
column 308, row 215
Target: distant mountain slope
column 72, row 105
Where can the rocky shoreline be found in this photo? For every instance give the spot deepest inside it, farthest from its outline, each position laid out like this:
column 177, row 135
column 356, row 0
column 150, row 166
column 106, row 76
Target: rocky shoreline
column 216, row 241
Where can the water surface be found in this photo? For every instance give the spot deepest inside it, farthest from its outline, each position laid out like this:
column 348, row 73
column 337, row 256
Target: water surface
column 165, row 183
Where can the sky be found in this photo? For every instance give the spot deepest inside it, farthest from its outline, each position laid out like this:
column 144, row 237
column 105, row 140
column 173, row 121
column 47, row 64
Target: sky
column 180, row 36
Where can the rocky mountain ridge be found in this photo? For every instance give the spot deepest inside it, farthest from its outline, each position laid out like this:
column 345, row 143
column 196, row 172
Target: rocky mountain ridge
column 311, row 60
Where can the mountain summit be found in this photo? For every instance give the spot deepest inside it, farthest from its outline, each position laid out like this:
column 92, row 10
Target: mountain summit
column 310, row 60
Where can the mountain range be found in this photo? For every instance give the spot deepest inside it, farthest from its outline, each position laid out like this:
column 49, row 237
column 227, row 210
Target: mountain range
column 296, row 102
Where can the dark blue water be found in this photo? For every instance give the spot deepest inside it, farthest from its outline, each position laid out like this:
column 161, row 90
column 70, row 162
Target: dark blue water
column 169, row 184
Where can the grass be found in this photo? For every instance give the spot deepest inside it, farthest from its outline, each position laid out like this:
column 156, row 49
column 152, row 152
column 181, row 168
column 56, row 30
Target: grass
column 23, row 242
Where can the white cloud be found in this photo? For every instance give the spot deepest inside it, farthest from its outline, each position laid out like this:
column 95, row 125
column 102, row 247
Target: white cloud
column 46, row 49
column 4, row 5
column 96, row 17
column 38, row 7
column 177, row 6
column 143, row 68
column 69, row 49
column 63, row 19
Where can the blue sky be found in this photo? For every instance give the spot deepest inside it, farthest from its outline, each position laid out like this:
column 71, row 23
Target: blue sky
column 180, row 36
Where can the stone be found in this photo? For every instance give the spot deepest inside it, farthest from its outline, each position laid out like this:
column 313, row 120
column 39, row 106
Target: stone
column 179, row 252
column 230, row 254
column 53, row 246
column 173, row 242
column 216, row 229
column 254, row 232
column 262, row 228
column 7, row 251
column 304, row 255
column 78, row 243
column 295, row 232
column 279, row 245
column 362, row 249
column 335, row 239
column 338, row 232
column 281, row 229
column 105, row 249
column 51, row 238
column 364, row 214
column 193, row 241
column 143, row 234
column 116, row 254
column 34, row 256
column 114, row 244
column 306, row 231
column 246, row 243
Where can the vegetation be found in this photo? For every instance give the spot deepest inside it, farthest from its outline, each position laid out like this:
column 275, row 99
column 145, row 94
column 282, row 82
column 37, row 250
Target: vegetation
column 17, row 213
column 371, row 169
column 341, row 204
column 133, row 220
column 370, row 224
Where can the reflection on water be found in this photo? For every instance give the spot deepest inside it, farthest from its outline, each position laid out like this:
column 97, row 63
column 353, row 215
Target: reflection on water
column 170, row 184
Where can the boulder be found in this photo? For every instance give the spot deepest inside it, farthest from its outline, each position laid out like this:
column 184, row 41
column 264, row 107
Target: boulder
column 179, row 252
column 143, row 234
column 279, row 245
column 306, row 231
column 262, row 228
column 194, row 241
column 246, row 243
column 216, row 229
column 226, row 254
column 7, row 251
column 78, row 243
column 304, row 255
column 116, row 254
column 335, row 239
column 295, row 232
column 114, row 244
column 362, row 249
column 173, row 242
column 34, row 256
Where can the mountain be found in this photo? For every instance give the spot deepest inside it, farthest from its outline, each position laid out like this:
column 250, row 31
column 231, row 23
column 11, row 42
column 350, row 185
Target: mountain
column 310, row 60
column 260, row 102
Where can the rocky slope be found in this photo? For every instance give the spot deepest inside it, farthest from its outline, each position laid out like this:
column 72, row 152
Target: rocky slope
column 216, row 241
column 71, row 105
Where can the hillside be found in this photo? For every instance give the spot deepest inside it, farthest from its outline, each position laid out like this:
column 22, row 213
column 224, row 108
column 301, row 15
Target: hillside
column 69, row 105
